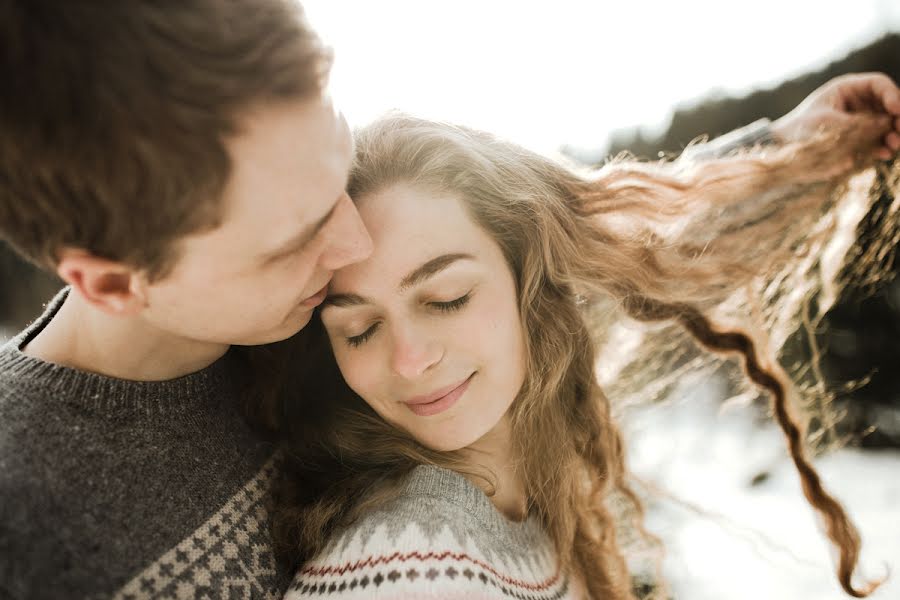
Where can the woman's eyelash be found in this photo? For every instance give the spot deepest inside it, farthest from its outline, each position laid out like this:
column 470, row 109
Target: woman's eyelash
column 452, row 304
column 359, row 340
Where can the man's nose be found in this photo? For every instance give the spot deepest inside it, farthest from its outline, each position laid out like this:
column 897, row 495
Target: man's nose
column 348, row 240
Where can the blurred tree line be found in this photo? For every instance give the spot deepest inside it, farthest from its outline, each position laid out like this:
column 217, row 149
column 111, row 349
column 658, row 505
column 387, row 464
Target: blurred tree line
column 861, row 333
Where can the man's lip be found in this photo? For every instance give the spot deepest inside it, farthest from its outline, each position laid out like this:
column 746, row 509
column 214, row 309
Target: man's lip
column 435, row 396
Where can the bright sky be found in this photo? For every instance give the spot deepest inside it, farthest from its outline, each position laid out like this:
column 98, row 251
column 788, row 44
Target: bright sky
column 568, row 72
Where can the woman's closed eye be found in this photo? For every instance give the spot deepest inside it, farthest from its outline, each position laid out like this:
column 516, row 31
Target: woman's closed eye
column 451, row 305
column 445, row 307
column 358, row 340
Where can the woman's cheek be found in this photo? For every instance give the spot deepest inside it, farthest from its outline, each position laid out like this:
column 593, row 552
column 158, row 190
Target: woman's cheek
column 494, row 322
column 351, row 364
column 363, row 373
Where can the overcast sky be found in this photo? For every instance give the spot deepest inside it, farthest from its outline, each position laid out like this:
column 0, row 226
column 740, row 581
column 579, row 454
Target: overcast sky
column 568, row 72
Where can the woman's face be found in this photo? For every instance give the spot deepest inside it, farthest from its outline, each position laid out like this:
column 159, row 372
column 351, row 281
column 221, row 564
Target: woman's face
column 427, row 329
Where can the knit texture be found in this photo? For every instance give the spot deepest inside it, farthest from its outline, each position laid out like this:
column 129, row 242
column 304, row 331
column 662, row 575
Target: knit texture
column 441, row 538
column 123, row 489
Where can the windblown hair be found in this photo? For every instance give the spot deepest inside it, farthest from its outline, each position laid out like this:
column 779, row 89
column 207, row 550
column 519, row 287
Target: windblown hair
column 115, row 117
column 678, row 242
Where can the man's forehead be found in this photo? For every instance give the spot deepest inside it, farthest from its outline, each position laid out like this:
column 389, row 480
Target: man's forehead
column 292, row 150
column 290, row 163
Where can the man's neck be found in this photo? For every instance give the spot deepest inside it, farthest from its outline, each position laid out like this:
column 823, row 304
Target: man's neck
column 84, row 338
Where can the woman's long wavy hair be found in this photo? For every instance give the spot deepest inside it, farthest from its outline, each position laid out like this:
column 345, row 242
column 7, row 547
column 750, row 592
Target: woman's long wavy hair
column 721, row 252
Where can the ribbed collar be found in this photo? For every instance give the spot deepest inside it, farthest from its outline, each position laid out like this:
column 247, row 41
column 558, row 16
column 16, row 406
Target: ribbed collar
column 427, row 480
column 183, row 395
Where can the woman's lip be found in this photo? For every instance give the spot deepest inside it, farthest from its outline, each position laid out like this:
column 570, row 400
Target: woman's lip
column 438, row 402
column 317, row 298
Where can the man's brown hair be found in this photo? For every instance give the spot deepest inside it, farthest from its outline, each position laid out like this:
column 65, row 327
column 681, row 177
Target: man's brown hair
column 114, row 115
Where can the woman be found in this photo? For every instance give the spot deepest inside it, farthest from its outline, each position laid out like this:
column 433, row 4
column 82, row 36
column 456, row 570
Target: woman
column 471, row 451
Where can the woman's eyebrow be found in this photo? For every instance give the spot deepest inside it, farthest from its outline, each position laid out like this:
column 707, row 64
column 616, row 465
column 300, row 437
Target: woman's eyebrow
column 431, row 268
column 343, row 300
column 420, row 274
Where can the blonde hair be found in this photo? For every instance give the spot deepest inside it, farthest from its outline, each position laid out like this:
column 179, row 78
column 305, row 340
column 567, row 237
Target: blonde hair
column 676, row 242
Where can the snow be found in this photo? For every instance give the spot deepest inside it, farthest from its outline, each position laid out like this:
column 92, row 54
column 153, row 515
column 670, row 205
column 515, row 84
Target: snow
column 727, row 538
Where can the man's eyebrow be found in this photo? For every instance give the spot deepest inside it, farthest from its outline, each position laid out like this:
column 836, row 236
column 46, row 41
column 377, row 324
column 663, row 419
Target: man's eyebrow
column 429, row 269
column 304, row 237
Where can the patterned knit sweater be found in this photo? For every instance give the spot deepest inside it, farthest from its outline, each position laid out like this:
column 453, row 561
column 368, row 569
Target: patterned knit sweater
column 129, row 490
column 441, row 538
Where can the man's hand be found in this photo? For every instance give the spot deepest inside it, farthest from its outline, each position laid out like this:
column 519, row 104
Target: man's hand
column 838, row 101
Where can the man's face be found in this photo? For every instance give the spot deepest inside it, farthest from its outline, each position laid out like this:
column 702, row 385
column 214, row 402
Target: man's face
column 287, row 226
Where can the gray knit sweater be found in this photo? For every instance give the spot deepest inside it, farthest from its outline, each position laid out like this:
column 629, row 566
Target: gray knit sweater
column 112, row 488
column 441, row 538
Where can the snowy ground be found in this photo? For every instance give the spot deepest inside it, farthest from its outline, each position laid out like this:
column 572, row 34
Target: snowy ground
column 759, row 541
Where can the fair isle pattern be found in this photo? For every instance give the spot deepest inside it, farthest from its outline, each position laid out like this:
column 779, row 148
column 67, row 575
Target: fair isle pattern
column 440, row 556
column 441, row 539
column 418, row 575
column 234, row 540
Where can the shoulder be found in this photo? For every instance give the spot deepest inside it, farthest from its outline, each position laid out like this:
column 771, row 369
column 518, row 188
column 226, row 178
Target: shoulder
column 440, row 538
column 31, row 552
column 29, row 548
column 39, row 549
column 27, row 424
column 421, row 520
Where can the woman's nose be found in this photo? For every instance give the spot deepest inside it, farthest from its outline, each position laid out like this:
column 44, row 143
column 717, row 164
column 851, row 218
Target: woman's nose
column 414, row 353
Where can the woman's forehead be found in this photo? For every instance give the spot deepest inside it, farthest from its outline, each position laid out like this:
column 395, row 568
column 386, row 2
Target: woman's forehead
column 410, row 226
column 408, row 214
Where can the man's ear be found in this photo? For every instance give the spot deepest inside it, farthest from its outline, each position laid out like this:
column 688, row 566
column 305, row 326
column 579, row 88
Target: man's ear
column 111, row 286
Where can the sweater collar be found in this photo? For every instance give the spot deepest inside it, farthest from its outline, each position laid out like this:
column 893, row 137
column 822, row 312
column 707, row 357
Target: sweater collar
column 172, row 397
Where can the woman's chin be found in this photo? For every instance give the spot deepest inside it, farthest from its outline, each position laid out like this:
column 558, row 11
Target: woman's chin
column 440, row 441
column 441, row 445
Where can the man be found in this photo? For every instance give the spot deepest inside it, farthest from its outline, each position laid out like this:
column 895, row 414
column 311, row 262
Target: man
column 181, row 166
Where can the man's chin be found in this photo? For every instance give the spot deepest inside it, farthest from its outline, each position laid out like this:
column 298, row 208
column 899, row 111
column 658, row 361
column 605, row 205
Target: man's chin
column 290, row 327
column 297, row 321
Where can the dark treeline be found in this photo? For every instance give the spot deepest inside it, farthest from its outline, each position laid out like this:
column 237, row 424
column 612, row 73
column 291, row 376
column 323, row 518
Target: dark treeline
column 717, row 116
column 862, row 333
